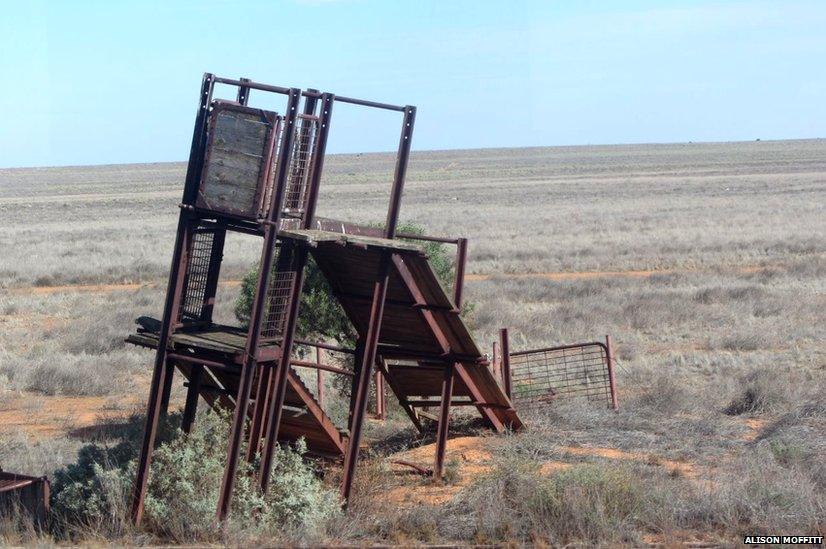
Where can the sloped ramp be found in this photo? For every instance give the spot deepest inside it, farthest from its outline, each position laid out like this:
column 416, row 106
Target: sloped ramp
column 421, row 329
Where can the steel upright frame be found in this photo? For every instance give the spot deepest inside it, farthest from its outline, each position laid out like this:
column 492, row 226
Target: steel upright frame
column 271, row 375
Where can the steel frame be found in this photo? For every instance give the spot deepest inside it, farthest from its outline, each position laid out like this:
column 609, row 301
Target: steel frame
column 274, row 376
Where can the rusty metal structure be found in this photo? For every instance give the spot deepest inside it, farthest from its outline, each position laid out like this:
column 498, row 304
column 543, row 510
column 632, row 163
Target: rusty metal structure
column 27, row 494
column 536, row 377
column 258, row 172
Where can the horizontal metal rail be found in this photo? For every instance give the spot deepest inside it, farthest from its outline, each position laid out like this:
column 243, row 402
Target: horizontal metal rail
column 306, row 93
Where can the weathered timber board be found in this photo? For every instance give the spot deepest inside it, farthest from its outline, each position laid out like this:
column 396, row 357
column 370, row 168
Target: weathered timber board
column 235, row 159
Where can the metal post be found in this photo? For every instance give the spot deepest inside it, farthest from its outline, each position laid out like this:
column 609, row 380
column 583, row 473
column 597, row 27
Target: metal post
column 444, row 420
column 381, row 411
column 166, row 391
column 259, row 413
column 173, row 291
column 279, row 388
column 243, row 91
column 611, row 379
column 494, row 362
column 505, row 361
column 367, row 360
column 401, row 170
column 319, row 378
column 257, row 313
column 461, row 260
column 192, row 393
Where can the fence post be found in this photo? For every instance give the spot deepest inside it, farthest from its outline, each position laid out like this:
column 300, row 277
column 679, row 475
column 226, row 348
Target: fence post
column 319, row 378
column 494, row 362
column 611, row 380
column 505, row 361
column 459, row 283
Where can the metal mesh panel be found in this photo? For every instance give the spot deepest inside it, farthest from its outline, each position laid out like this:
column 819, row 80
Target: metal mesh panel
column 277, row 300
column 197, row 273
column 541, row 376
column 299, row 174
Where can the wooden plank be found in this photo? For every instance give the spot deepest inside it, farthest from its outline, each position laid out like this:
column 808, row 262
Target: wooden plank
column 234, row 162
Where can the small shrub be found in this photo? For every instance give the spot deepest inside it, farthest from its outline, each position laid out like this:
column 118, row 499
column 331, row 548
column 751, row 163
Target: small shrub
column 91, row 495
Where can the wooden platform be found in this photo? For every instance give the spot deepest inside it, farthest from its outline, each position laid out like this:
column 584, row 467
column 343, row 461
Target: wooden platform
column 303, row 416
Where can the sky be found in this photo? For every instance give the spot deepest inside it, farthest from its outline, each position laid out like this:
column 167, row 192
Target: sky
column 100, row 82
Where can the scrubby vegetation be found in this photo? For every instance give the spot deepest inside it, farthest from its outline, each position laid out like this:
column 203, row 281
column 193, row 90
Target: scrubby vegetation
column 90, row 498
column 720, row 346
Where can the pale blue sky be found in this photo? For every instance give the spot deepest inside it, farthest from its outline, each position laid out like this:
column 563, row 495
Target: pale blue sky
column 108, row 82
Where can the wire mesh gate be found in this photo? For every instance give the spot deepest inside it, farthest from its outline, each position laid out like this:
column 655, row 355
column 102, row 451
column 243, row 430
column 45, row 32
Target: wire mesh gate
column 536, row 377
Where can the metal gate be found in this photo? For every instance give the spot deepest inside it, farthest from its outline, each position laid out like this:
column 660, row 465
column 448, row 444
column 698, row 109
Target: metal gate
column 536, row 377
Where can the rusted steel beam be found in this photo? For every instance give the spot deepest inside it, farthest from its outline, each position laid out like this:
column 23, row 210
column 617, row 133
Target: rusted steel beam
column 258, row 305
column 400, row 172
column 173, row 292
column 371, row 341
column 459, row 283
column 504, row 346
column 319, row 378
column 444, row 421
column 166, row 390
column 373, row 104
column 478, row 399
column 259, row 412
column 381, row 408
column 441, row 337
column 243, row 92
column 322, row 367
column 609, row 357
column 494, row 362
column 253, row 85
column 193, row 392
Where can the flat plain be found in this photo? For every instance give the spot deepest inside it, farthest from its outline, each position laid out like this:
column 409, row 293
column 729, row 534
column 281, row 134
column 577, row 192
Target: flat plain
column 705, row 262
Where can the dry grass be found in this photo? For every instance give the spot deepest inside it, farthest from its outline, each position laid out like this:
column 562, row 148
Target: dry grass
column 727, row 328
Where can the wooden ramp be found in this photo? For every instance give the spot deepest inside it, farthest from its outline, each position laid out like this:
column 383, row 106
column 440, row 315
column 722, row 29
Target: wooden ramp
column 302, row 415
column 421, row 331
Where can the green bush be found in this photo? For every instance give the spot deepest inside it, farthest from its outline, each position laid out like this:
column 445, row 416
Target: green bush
column 91, row 496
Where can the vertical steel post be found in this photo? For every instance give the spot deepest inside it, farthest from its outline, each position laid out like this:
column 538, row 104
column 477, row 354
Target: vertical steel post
column 494, row 360
column 257, row 313
column 444, row 421
column 319, row 378
column 259, row 413
column 505, row 361
column 173, row 291
column 381, row 410
column 276, row 401
column 362, row 388
column 611, row 379
column 166, row 390
column 192, row 393
column 402, row 158
column 243, row 92
column 461, row 261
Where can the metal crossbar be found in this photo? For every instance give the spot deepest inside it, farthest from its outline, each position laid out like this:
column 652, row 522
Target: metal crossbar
column 542, row 375
column 197, row 274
